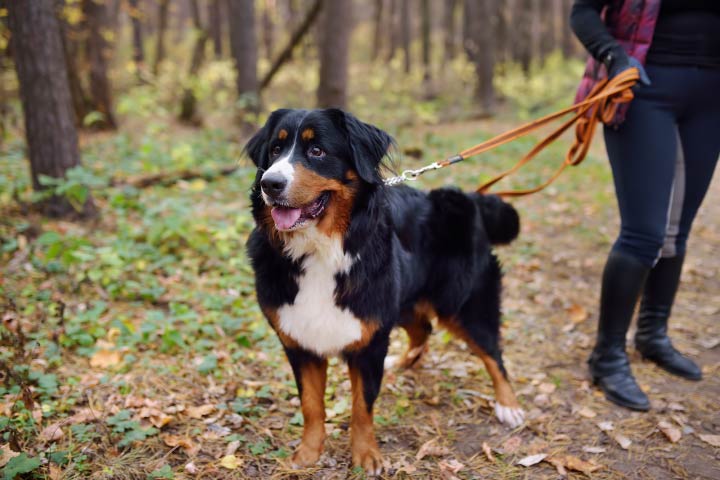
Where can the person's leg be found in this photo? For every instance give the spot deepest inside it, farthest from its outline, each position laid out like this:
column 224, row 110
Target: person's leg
column 696, row 163
column 642, row 154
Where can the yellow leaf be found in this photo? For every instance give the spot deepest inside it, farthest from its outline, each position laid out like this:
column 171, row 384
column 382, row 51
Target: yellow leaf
column 231, row 462
column 577, row 313
column 199, row 412
column 104, row 357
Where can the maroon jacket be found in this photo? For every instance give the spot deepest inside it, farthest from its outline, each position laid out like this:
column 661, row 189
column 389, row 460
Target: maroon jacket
column 632, row 23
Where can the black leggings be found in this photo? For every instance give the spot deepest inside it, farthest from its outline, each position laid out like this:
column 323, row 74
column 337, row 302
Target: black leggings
column 663, row 157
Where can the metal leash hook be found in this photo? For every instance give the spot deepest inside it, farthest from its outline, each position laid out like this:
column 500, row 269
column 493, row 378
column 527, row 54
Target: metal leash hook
column 411, row 175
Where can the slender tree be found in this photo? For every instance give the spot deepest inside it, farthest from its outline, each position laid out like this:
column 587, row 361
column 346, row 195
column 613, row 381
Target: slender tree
column 243, row 45
column 337, row 24
column 268, row 28
column 449, row 30
column 392, row 29
column 377, row 29
column 136, row 21
column 163, row 7
column 479, row 32
column 405, row 32
column 425, row 35
column 97, row 50
column 72, row 42
column 215, row 26
column 188, row 105
column 45, row 96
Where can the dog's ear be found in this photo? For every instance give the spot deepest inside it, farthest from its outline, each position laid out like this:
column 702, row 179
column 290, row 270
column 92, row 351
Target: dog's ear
column 257, row 146
column 368, row 145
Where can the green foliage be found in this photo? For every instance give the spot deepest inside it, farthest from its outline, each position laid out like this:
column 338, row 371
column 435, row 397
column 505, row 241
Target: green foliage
column 130, row 430
column 75, row 187
column 163, row 472
column 19, row 465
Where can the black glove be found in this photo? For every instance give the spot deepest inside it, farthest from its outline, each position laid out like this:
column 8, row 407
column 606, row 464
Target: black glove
column 616, row 61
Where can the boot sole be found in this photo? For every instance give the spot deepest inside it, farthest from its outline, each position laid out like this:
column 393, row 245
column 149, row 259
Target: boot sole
column 617, row 401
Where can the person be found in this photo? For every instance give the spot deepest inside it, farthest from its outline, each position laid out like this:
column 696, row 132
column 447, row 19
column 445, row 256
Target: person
column 663, row 148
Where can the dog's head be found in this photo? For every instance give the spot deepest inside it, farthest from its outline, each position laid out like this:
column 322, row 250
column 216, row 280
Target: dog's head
column 312, row 164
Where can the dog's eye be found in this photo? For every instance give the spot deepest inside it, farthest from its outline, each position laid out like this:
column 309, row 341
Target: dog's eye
column 316, row 152
column 276, row 151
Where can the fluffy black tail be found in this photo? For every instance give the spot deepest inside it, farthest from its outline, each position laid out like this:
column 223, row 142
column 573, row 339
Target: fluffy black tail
column 502, row 221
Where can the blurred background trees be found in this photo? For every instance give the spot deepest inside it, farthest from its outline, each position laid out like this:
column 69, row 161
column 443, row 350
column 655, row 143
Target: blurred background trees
column 109, row 64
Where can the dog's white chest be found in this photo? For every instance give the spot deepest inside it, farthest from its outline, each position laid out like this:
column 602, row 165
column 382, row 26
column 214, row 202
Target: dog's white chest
column 314, row 320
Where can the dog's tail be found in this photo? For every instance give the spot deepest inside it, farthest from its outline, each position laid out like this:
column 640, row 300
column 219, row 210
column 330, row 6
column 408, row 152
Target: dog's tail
column 501, row 220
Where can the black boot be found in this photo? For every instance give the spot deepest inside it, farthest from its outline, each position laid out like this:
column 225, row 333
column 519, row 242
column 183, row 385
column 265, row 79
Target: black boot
column 623, row 278
column 651, row 338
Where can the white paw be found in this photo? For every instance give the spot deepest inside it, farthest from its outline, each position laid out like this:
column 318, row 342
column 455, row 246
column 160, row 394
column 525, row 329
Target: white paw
column 512, row 417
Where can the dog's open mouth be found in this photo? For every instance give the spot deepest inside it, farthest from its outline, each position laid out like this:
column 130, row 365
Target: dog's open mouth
column 289, row 218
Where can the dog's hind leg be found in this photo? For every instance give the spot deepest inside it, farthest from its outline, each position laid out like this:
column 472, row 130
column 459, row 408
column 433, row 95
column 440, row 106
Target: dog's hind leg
column 418, row 327
column 310, row 375
column 366, row 371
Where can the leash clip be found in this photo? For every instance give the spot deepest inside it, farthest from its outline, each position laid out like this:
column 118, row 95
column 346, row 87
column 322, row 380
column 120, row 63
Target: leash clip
column 411, row 175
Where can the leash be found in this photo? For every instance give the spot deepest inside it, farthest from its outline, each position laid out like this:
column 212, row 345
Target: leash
column 600, row 106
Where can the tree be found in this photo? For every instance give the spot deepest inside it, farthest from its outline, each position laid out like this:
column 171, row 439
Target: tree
column 425, row 35
column 405, row 33
column 162, row 27
column 215, row 26
column 337, row 24
column 97, row 50
column 268, row 27
column 71, row 34
column 188, row 105
column 243, row 46
column 479, row 41
column 45, row 95
column 135, row 19
column 449, row 30
column 377, row 29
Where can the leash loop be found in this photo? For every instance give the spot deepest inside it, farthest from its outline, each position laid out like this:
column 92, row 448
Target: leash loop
column 600, row 106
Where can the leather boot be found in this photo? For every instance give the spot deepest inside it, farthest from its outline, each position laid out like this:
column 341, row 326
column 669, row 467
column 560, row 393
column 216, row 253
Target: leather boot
column 651, row 338
column 622, row 281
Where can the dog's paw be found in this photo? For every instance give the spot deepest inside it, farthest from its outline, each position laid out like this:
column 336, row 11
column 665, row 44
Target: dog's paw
column 369, row 459
column 305, row 456
column 510, row 416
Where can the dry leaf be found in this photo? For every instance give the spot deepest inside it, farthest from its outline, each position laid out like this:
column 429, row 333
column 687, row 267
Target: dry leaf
column 622, row 440
column 191, row 468
column 488, row 452
column 232, row 447
column 713, row 440
column 587, row 413
column 594, row 449
column 672, row 433
column 429, row 448
column 55, row 472
column 511, row 444
column 606, row 426
column 190, row 447
column 448, row 469
column 532, row 460
column 52, row 433
column 104, row 356
column 231, row 462
column 579, row 465
column 577, row 313
column 6, row 454
column 199, row 412
column 546, row 388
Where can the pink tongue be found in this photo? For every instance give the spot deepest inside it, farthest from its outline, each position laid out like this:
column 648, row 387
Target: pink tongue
column 285, row 217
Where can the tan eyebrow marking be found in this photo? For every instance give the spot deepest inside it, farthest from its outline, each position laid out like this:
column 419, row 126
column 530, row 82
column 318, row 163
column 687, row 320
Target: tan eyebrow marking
column 282, row 134
column 308, row 134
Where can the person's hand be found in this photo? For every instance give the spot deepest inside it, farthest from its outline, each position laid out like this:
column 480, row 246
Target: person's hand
column 617, row 61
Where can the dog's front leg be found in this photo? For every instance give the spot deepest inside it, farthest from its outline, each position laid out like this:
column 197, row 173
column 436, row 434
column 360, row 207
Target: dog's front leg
column 310, row 376
column 366, row 371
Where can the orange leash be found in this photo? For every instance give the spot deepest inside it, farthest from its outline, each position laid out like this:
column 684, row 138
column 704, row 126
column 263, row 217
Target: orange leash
column 600, row 106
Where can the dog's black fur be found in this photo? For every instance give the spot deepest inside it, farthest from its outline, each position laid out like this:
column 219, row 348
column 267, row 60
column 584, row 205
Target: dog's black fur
column 412, row 247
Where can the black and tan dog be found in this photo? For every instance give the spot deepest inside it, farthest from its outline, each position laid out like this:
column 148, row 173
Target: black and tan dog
column 340, row 259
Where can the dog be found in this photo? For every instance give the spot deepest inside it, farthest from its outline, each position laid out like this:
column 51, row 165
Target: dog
column 340, row 259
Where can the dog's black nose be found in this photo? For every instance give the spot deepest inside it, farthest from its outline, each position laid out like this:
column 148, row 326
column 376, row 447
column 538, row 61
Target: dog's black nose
column 273, row 184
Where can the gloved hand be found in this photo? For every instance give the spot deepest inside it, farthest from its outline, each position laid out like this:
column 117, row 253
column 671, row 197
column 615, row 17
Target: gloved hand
column 616, row 61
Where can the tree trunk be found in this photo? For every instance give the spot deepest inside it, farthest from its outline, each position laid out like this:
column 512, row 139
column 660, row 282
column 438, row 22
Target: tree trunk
column 70, row 36
column 522, row 38
column 137, row 33
column 162, row 27
column 502, row 50
column 337, row 24
column 405, row 32
column 536, row 21
column 449, row 30
column 392, row 29
column 568, row 43
column 188, row 105
column 98, row 50
column 268, row 34
column 480, row 17
column 425, row 31
column 45, row 96
column 243, row 45
column 215, row 27
column 377, row 30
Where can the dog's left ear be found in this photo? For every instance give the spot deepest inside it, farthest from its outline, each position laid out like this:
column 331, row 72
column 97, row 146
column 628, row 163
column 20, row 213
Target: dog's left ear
column 368, row 145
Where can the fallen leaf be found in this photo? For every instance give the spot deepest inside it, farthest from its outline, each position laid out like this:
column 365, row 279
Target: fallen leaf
column 571, row 462
column 622, row 440
column 511, row 445
column 594, row 449
column 6, row 454
column 190, row 447
column 532, row 460
column 577, row 313
column 55, row 472
column 713, row 440
column 429, row 448
column 606, row 426
column 672, row 433
column 105, row 356
column 448, row 469
column 231, row 462
column 191, row 468
column 232, row 447
column 199, row 412
column 546, row 388
column 587, row 413
column 52, row 433
column 488, row 452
